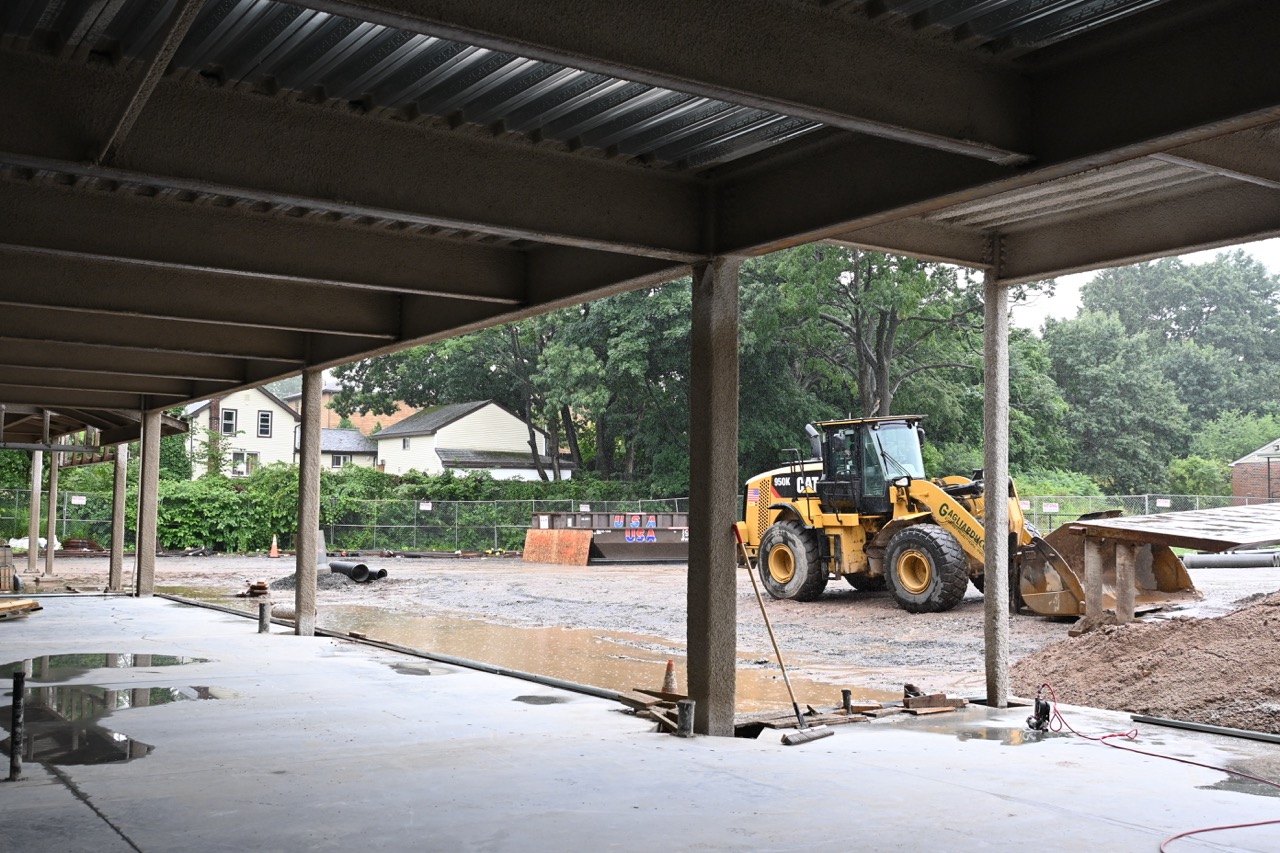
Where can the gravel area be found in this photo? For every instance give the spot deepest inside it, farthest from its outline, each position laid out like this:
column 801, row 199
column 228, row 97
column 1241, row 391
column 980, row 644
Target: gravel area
column 845, row 637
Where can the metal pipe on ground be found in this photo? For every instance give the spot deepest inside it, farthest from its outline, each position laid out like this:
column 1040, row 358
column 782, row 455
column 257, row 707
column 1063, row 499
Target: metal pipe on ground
column 1234, row 560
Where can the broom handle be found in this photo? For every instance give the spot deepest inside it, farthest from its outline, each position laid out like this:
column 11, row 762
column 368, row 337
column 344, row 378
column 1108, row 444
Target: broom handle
column 772, row 639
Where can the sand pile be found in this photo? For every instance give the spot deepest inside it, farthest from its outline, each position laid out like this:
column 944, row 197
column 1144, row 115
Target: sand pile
column 1220, row 671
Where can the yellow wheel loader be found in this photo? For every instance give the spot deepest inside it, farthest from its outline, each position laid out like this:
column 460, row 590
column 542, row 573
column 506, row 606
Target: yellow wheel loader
column 861, row 508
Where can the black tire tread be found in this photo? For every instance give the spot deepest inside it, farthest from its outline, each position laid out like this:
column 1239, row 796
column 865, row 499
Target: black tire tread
column 951, row 569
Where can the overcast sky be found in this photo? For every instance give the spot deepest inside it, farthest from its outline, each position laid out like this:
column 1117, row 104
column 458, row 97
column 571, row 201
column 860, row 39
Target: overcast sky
column 1066, row 299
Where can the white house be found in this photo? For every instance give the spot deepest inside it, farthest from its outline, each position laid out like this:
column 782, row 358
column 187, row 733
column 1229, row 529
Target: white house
column 340, row 448
column 463, row 436
column 258, row 428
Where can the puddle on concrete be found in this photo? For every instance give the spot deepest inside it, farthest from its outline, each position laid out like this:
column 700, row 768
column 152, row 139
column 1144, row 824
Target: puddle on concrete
column 63, row 728
column 48, row 668
column 421, row 669
column 1241, row 786
column 614, row 660
column 1006, row 736
column 542, row 700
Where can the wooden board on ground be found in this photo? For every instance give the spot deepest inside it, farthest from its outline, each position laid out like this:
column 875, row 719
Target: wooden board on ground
column 934, row 700
column 18, row 608
column 923, row 711
column 562, row 547
column 788, row 721
column 885, row 712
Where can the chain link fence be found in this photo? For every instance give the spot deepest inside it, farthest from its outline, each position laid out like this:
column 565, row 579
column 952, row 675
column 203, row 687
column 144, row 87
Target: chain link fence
column 79, row 515
column 459, row 525
column 417, row 525
column 1049, row 512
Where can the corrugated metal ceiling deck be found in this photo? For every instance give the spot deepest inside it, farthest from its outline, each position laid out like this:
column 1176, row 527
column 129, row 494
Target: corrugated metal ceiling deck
column 272, row 47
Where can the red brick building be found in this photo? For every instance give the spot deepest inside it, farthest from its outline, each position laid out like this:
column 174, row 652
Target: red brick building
column 1257, row 475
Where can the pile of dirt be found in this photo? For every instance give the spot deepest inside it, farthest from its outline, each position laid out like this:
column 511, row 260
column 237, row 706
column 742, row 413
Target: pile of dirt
column 1219, row 671
column 324, row 580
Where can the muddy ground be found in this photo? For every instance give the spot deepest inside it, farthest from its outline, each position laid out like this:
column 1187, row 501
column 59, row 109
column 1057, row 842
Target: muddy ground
column 847, row 637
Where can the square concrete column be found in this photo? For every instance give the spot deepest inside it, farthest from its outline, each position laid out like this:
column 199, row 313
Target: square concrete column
column 1126, row 569
column 304, row 542
column 995, row 473
column 51, row 522
column 1092, row 578
column 144, row 571
column 33, row 511
column 115, row 567
column 713, row 496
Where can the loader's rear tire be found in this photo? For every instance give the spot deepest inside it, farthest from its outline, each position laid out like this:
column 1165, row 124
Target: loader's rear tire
column 867, row 583
column 926, row 569
column 789, row 564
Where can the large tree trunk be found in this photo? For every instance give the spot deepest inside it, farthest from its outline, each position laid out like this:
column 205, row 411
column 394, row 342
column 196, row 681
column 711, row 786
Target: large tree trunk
column 571, row 436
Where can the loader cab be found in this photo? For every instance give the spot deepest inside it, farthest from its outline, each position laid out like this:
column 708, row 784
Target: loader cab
column 861, row 458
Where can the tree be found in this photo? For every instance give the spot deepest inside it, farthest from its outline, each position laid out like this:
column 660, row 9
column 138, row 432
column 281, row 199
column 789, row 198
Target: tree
column 1126, row 422
column 1234, row 434
column 1196, row 475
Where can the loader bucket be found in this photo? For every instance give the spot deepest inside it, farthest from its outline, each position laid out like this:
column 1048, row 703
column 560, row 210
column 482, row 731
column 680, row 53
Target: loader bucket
column 1052, row 577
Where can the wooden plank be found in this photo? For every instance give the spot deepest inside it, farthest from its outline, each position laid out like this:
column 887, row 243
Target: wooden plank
column 666, row 697
column 923, row 711
column 885, row 712
column 663, row 720
column 18, row 607
column 561, row 547
column 934, row 700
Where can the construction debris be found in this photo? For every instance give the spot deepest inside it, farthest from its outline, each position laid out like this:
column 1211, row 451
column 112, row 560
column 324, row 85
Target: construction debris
column 18, row 608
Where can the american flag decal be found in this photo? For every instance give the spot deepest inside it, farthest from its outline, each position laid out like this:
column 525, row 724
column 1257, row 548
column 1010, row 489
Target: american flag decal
column 753, row 495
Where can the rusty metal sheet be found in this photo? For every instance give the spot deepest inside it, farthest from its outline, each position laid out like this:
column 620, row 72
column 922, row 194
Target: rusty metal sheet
column 1203, row 529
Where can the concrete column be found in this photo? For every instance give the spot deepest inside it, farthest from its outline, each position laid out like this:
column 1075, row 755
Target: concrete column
column 713, row 495
column 115, row 569
column 995, row 467
column 148, row 495
column 51, row 510
column 1092, row 578
column 33, row 510
column 1126, row 568
column 304, row 542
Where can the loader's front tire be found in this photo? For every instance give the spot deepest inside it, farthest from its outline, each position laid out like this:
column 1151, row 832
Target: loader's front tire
column 926, row 569
column 789, row 564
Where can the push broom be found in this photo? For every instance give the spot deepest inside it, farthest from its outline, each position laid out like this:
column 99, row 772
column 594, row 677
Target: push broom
column 804, row 732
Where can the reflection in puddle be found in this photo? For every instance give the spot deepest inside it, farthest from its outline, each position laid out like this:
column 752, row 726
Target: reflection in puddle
column 63, row 667
column 62, row 722
column 1006, row 736
column 541, row 700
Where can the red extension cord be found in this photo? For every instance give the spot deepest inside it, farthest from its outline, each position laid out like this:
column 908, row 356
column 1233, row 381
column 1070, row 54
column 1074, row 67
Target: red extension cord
column 1057, row 723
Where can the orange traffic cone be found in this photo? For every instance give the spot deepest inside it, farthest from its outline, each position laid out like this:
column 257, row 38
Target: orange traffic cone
column 275, row 546
column 669, row 680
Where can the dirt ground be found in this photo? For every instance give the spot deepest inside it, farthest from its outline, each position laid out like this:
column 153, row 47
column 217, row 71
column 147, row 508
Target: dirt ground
column 1219, row 671
column 1202, row 666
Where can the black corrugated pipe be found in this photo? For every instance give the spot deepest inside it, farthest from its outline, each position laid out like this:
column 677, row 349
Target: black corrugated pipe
column 358, row 572
column 1234, row 560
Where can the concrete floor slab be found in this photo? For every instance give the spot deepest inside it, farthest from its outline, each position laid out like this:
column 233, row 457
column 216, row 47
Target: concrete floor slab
column 324, row 744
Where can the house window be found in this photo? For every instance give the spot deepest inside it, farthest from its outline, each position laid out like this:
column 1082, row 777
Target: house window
column 229, row 422
column 341, row 460
column 264, row 424
column 404, row 444
column 243, row 463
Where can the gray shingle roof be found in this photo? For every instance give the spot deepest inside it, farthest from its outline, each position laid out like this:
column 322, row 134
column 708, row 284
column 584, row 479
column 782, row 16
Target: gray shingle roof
column 430, row 420
column 342, row 441
column 491, row 459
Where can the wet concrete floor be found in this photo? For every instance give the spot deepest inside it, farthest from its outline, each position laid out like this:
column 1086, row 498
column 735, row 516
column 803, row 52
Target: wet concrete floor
column 325, row 745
